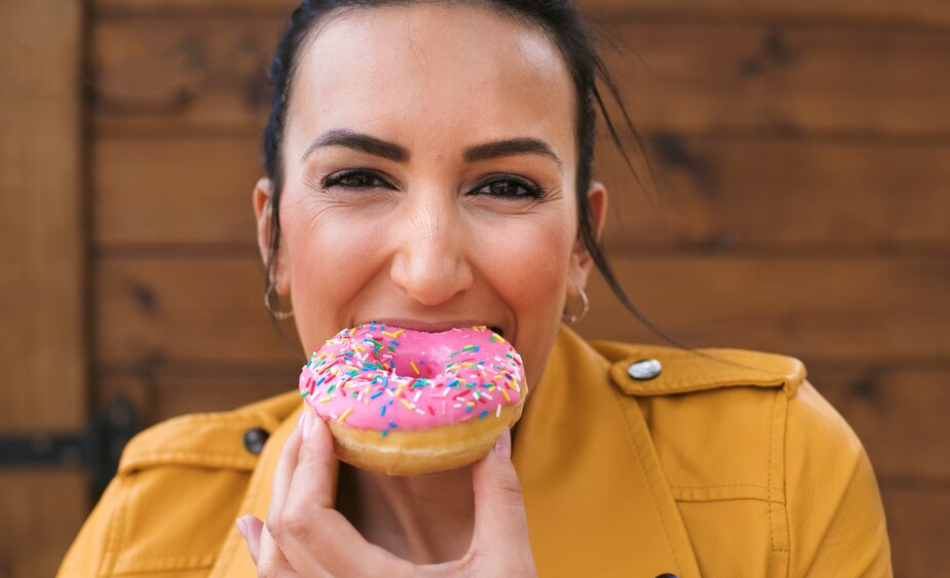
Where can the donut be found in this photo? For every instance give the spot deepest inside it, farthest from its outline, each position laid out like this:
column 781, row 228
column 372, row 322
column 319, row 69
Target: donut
column 407, row 402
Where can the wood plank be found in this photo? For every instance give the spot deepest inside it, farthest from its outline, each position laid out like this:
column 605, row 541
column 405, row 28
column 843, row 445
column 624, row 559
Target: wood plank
column 41, row 225
column 916, row 12
column 41, row 512
column 152, row 191
column 158, row 75
column 794, row 79
column 197, row 312
column 43, row 381
column 917, row 525
column 208, row 74
column 714, row 192
column 780, row 193
column 865, row 307
column 161, row 312
column 161, row 396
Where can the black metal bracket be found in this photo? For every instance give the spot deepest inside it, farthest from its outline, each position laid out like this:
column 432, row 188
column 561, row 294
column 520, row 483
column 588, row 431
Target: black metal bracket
column 97, row 449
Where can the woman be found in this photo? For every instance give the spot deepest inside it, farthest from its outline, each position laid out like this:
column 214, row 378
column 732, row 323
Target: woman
column 429, row 166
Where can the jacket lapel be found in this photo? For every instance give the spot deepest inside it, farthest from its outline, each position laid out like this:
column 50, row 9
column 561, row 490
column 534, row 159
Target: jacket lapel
column 596, row 498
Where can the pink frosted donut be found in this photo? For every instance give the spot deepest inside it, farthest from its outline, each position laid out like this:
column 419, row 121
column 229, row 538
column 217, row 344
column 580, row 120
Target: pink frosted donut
column 408, row 402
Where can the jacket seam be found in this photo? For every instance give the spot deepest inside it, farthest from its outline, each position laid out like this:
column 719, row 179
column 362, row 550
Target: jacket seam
column 725, row 486
column 116, row 530
column 636, row 452
column 135, row 461
column 768, row 482
column 167, row 562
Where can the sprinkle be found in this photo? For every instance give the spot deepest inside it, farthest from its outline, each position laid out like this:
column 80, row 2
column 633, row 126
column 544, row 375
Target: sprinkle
column 326, row 399
column 498, row 411
column 305, row 392
column 348, row 411
column 392, row 425
column 414, row 368
column 377, row 394
column 406, row 403
column 483, row 414
column 495, row 336
column 415, row 398
column 382, row 411
column 384, row 433
column 505, row 393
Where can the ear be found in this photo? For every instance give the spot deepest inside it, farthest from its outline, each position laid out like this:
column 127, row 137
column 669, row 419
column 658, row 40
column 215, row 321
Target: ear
column 263, row 201
column 581, row 260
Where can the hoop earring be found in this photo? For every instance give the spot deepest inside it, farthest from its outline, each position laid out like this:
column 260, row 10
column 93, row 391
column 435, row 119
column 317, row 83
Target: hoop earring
column 269, row 303
column 574, row 318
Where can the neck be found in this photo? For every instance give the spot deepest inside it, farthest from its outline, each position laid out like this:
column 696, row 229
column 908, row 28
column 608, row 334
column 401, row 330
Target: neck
column 424, row 519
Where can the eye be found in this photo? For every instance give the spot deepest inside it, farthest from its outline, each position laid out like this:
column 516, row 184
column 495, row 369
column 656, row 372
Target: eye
column 355, row 179
column 510, row 187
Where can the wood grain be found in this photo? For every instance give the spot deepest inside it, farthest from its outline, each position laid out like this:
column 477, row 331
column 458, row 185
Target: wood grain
column 41, row 512
column 42, row 353
column 713, row 193
column 159, row 395
column 174, row 191
column 176, row 311
column 159, row 76
column 43, row 381
column 917, row 524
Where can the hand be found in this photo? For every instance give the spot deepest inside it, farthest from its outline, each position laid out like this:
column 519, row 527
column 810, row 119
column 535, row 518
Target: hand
column 306, row 537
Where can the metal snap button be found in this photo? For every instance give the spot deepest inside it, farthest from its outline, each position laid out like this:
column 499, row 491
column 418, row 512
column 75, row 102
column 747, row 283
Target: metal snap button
column 644, row 369
column 254, row 439
column 667, row 575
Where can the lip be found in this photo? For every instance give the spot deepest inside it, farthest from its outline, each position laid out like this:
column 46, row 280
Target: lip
column 435, row 326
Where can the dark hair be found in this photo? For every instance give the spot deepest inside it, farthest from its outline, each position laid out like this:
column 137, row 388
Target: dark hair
column 560, row 20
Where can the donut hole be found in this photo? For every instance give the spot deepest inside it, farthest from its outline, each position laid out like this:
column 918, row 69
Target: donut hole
column 427, row 361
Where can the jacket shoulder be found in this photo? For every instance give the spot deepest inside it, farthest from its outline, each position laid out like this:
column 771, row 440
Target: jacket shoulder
column 185, row 472
column 210, row 440
column 678, row 371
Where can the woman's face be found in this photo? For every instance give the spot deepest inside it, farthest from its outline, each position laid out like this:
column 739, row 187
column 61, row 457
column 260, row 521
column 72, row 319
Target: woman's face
column 430, row 159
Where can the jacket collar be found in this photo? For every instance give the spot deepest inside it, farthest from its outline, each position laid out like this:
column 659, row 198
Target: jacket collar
column 596, row 497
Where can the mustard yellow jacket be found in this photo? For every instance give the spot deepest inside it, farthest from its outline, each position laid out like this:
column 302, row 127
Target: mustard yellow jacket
column 725, row 469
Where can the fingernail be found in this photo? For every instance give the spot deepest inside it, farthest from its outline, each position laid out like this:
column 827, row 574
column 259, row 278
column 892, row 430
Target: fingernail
column 503, row 445
column 306, row 424
column 242, row 527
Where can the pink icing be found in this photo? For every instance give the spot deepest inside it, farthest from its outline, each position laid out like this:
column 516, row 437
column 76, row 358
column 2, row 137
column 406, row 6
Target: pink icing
column 388, row 378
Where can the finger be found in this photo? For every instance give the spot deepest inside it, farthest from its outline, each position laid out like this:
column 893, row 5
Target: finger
column 270, row 559
column 500, row 521
column 319, row 537
column 270, row 564
column 250, row 528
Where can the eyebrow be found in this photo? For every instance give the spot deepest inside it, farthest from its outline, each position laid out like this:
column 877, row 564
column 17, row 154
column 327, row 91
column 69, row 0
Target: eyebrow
column 387, row 150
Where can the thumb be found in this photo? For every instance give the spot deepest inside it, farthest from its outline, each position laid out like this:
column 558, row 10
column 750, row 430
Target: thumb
column 500, row 520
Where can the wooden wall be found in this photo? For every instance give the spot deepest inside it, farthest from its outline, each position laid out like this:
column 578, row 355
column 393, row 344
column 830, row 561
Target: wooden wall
column 43, row 346
column 801, row 153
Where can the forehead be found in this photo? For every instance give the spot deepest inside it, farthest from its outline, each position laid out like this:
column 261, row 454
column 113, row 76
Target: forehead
column 432, row 74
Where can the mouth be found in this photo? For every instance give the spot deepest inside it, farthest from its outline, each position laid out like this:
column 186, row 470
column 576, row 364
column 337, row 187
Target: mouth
column 438, row 327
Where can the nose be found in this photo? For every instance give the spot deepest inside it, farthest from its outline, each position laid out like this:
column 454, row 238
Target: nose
column 431, row 257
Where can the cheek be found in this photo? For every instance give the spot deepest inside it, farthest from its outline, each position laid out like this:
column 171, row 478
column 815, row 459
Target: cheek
column 331, row 259
column 528, row 266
